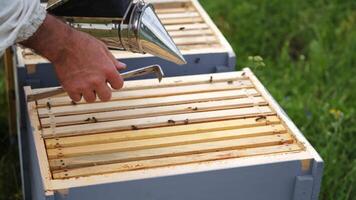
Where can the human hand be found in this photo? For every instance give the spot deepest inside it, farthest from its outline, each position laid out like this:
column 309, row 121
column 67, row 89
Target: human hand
column 83, row 64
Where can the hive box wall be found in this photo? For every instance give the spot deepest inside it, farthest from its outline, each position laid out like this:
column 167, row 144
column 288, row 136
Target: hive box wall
column 271, row 181
column 37, row 191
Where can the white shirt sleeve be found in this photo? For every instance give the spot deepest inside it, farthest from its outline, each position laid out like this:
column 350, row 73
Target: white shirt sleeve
column 19, row 20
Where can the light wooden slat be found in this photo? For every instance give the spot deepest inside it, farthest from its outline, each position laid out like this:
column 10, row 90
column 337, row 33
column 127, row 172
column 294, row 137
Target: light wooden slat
column 170, row 82
column 164, row 141
column 153, row 111
column 177, row 27
column 146, row 102
column 178, row 15
column 173, row 10
column 177, row 160
column 188, row 20
column 91, row 160
column 159, row 132
column 177, row 81
column 152, row 84
column 150, row 122
column 155, row 92
column 160, row 5
column 199, row 46
column 185, row 33
column 195, row 40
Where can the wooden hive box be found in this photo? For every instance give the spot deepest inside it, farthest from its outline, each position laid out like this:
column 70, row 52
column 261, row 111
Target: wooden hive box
column 213, row 136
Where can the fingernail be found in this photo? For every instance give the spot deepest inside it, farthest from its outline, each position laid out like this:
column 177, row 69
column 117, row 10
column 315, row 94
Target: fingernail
column 123, row 65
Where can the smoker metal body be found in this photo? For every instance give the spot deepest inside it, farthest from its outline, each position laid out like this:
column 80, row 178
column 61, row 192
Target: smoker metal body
column 203, row 46
column 123, row 25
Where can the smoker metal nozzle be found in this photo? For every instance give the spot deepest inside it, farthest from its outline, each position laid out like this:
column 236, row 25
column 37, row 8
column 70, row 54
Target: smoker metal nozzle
column 154, row 39
column 139, row 31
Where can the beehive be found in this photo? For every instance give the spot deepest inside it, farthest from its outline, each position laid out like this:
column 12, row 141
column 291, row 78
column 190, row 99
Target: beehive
column 183, row 127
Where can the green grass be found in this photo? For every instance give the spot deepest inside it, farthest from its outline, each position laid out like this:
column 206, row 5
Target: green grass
column 309, row 66
column 308, row 63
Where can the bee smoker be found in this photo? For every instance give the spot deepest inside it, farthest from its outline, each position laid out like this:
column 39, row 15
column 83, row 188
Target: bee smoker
column 121, row 24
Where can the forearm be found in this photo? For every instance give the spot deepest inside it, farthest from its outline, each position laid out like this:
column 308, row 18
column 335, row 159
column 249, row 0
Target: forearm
column 50, row 39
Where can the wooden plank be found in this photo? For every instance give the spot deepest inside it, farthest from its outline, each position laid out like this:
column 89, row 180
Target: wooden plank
column 185, row 33
column 199, row 47
column 164, row 141
column 173, row 10
column 146, row 102
column 175, row 81
column 180, row 81
column 155, row 92
column 177, row 27
column 177, row 15
column 177, row 160
column 159, row 132
column 188, row 20
column 150, row 122
column 195, row 40
column 167, row 4
column 152, row 111
column 90, row 160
